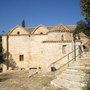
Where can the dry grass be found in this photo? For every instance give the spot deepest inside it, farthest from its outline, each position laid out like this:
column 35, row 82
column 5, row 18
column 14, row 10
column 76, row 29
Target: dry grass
column 19, row 80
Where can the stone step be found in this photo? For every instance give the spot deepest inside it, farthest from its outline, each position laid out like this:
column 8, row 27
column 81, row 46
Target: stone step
column 67, row 84
column 60, row 83
column 78, row 69
column 85, row 55
column 71, row 77
column 76, row 76
column 85, row 58
column 79, row 65
column 84, row 63
column 73, row 70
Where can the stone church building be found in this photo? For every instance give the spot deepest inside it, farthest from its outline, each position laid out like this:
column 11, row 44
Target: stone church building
column 37, row 47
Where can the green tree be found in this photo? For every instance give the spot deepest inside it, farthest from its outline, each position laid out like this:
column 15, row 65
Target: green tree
column 81, row 26
column 85, row 9
column 23, row 23
column 84, row 25
column 1, row 54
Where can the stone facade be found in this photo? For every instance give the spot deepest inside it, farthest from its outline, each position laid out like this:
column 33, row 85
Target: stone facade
column 37, row 47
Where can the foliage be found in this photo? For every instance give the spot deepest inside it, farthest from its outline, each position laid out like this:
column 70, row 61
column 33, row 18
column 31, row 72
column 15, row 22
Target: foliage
column 1, row 54
column 1, row 58
column 81, row 26
column 23, row 23
column 85, row 8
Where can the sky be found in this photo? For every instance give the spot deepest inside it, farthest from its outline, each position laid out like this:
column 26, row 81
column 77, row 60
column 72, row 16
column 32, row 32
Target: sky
column 36, row 12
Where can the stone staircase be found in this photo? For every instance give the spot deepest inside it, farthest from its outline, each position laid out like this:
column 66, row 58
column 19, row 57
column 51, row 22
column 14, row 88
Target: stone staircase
column 76, row 76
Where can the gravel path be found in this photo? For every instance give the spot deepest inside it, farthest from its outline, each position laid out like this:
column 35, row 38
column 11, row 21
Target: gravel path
column 20, row 80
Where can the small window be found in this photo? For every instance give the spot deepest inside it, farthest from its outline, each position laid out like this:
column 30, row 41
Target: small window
column 18, row 33
column 41, row 32
column 64, row 49
column 21, row 57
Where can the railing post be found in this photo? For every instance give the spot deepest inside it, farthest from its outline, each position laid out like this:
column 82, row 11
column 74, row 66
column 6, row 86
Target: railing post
column 53, row 69
column 74, row 48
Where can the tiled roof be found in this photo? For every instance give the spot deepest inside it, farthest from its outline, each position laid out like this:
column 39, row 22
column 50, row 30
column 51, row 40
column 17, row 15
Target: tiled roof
column 68, row 28
column 71, row 27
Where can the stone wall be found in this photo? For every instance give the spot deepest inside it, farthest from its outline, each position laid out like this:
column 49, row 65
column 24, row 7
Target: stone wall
column 59, row 35
column 36, row 52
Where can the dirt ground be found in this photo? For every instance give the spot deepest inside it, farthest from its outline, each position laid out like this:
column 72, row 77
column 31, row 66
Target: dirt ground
column 20, row 80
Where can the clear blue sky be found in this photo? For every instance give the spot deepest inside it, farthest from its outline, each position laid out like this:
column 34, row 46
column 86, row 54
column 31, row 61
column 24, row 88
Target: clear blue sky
column 35, row 12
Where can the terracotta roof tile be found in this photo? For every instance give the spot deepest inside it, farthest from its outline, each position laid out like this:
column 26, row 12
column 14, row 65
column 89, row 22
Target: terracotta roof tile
column 65, row 28
column 69, row 28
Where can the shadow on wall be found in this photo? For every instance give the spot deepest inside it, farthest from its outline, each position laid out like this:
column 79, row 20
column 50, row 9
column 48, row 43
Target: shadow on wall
column 88, row 84
column 86, row 49
column 9, row 62
column 87, row 75
column 87, row 80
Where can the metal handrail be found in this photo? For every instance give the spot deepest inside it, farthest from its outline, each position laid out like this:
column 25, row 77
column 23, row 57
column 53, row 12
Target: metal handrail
column 67, row 63
column 64, row 57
